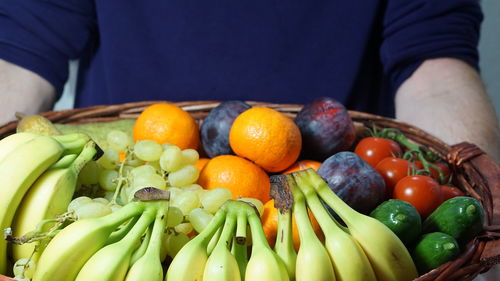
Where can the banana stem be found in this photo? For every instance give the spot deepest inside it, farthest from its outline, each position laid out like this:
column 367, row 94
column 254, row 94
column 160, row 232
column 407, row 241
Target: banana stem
column 87, row 154
column 227, row 231
column 213, row 241
column 137, row 231
column 284, row 242
column 120, row 233
column 312, row 185
column 64, row 162
column 139, row 252
column 212, row 227
column 258, row 236
column 72, row 143
column 306, row 231
column 154, row 245
column 241, row 229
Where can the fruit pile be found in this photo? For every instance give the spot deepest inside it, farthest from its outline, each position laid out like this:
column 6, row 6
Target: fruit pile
column 166, row 196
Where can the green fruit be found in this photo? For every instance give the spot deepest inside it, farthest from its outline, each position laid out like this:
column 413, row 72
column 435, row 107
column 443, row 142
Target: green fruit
column 433, row 250
column 36, row 124
column 401, row 217
column 461, row 217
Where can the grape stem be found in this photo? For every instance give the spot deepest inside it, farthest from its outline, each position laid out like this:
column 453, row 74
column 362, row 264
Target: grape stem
column 120, row 179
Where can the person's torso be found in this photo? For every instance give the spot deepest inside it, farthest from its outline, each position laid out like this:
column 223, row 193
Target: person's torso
column 263, row 50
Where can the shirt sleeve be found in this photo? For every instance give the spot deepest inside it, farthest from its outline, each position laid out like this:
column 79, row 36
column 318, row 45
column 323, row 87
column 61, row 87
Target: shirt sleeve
column 416, row 30
column 43, row 35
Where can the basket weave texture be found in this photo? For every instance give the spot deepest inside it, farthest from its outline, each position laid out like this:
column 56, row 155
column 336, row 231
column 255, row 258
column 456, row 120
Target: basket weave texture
column 475, row 172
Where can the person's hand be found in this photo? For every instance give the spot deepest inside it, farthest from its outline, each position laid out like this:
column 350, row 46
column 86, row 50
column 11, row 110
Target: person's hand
column 22, row 91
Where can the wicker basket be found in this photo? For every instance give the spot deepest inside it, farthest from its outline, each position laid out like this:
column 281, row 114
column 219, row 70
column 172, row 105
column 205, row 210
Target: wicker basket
column 475, row 173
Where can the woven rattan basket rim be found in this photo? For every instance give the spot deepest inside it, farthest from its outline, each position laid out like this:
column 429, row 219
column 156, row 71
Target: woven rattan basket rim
column 470, row 178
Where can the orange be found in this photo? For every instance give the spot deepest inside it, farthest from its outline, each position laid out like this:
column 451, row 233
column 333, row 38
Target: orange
column 302, row 165
column 267, row 137
column 242, row 177
column 269, row 220
column 201, row 163
column 167, row 123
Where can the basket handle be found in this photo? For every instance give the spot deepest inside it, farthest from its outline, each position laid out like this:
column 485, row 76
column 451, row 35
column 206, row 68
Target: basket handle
column 485, row 173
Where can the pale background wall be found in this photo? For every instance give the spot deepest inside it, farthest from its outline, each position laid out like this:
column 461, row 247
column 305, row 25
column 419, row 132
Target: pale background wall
column 489, row 48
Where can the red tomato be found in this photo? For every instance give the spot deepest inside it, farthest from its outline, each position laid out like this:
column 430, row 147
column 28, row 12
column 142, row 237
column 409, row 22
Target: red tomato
column 434, row 173
column 450, row 192
column 374, row 149
column 423, row 192
column 392, row 170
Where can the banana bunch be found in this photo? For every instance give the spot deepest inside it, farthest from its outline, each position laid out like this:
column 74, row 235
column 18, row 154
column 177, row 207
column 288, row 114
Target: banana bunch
column 24, row 158
column 110, row 247
column 219, row 252
column 364, row 250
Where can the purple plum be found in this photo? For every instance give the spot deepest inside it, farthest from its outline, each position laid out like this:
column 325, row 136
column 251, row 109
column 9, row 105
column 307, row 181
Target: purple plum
column 215, row 127
column 326, row 128
column 354, row 181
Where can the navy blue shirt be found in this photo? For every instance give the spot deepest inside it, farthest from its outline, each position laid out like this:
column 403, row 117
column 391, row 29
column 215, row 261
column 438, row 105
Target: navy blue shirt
column 358, row 52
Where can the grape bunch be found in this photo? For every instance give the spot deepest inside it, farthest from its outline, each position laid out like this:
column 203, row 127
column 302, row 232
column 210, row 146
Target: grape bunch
column 126, row 167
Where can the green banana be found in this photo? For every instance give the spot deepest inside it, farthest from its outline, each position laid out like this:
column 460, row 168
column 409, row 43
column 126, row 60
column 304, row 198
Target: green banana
column 387, row 254
column 18, row 171
column 48, row 197
column 221, row 264
column 149, row 264
column 189, row 263
column 112, row 262
column 76, row 243
column 284, row 242
column 264, row 263
column 313, row 261
column 11, row 142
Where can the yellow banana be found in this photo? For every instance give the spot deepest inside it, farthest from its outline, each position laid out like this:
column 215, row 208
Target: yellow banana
column 264, row 264
column 189, row 263
column 70, row 249
column 112, row 262
column 18, row 171
column 11, row 142
column 387, row 254
column 313, row 261
column 149, row 264
column 48, row 197
column 221, row 264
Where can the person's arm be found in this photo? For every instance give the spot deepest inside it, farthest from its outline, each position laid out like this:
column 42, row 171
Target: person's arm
column 23, row 91
column 446, row 98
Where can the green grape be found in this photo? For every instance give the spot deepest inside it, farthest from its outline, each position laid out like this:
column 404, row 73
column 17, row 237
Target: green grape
column 127, row 170
column 256, row 202
column 115, row 207
column 174, row 216
column 78, row 202
column 89, row 173
column 118, row 140
column 108, row 180
column 184, row 176
column 24, row 268
column 147, row 150
column 186, row 201
column 92, row 210
column 185, row 227
column 212, row 199
column 108, row 195
column 109, row 160
column 171, row 159
column 101, row 200
column 174, row 242
column 133, row 161
column 149, row 180
column 190, row 156
column 156, row 165
column 199, row 219
column 142, row 170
